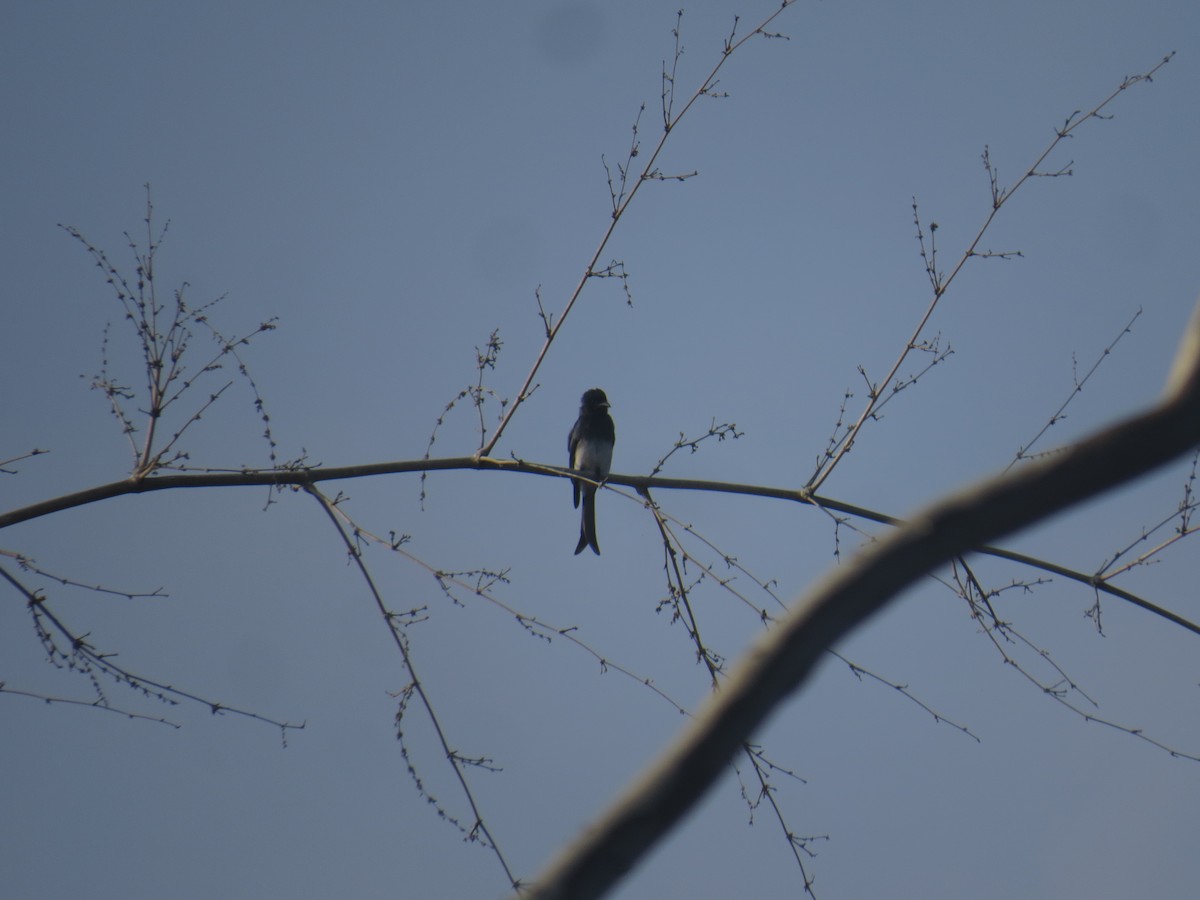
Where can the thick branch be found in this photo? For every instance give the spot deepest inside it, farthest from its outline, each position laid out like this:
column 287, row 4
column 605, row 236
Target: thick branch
column 782, row 660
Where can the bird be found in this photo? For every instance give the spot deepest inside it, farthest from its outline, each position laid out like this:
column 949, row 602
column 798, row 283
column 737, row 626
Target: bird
column 590, row 446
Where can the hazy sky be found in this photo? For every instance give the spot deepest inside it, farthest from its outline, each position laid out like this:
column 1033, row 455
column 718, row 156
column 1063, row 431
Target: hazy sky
column 394, row 182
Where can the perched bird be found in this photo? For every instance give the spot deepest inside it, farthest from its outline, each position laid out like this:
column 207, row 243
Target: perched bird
column 591, row 446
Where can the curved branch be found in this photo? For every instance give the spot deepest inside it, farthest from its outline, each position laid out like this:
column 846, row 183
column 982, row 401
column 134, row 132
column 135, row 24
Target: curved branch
column 303, row 477
column 783, row 659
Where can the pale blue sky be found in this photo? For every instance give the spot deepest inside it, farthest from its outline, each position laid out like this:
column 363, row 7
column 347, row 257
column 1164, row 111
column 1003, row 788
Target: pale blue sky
column 394, row 181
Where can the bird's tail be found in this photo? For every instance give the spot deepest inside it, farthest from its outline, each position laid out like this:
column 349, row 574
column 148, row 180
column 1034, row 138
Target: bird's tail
column 587, row 523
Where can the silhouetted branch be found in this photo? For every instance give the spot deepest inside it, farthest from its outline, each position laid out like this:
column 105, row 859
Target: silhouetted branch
column 940, row 282
column 784, row 657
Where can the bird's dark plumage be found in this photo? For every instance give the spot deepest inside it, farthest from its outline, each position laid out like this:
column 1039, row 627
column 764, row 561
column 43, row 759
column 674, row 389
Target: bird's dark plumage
column 590, row 446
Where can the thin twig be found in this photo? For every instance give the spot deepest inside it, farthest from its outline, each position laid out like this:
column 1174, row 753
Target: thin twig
column 618, row 212
column 1059, row 414
column 479, row 829
column 941, row 283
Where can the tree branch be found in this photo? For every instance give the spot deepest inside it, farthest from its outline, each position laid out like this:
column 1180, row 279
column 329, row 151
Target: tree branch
column 300, row 477
column 783, row 659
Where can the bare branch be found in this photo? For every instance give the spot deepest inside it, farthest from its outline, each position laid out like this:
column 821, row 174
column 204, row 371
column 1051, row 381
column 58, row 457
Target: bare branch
column 68, row 649
column 29, row 454
column 940, row 282
column 478, row 831
column 846, row 598
column 1059, row 414
column 620, row 206
column 91, row 704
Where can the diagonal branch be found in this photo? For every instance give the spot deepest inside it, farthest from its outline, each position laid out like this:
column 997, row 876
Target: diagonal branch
column 783, row 659
column 648, row 173
column 478, row 829
column 941, row 283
